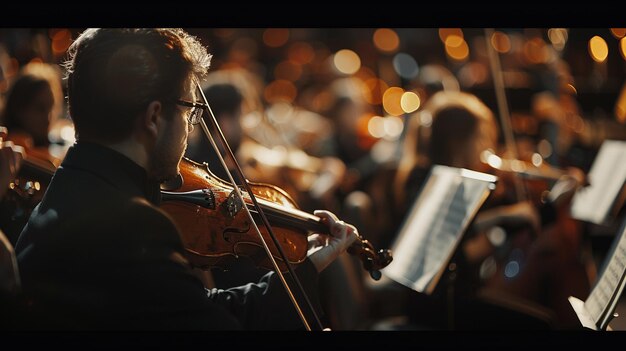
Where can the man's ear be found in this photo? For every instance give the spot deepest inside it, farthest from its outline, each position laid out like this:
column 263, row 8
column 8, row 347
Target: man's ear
column 150, row 121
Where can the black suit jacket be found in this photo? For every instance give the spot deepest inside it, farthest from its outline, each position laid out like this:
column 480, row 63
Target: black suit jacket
column 98, row 253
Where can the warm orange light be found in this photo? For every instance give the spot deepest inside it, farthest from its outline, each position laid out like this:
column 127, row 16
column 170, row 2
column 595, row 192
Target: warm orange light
column 558, row 37
column 280, row 91
column 454, row 41
column 598, row 49
column 364, row 139
column 386, row 40
column 445, row 32
column 392, row 101
column 347, row 61
column 500, row 41
column 618, row 32
column 535, row 51
column 59, row 47
column 61, row 40
column 61, row 34
column 570, row 89
column 457, row 48
column 622, row 47
column 620, row 107
column 275, row 37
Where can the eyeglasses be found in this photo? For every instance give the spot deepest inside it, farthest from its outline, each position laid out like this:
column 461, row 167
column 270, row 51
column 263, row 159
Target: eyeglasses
column 197, row 109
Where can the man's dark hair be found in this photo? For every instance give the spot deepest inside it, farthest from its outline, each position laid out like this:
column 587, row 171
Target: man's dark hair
column 113, row 74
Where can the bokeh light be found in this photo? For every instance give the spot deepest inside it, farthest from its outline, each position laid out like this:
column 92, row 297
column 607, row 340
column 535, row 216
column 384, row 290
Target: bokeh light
column 386, row 40
column 347, row 61
column 275, row 37
column 391, row 101
column 598, row 49
column 405, row 66
column 410, row 102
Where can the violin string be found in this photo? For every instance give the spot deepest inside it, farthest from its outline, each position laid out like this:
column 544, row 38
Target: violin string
column 503, row 108
column 260, row 212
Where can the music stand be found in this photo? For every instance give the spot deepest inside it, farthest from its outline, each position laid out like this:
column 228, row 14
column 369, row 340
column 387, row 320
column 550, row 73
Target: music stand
column 597, row 311
column 434, row 226
column 599, row 202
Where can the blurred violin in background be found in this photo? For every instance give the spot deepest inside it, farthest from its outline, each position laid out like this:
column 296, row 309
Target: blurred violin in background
column 551, row 261
column 309, row 180
column 27, row 187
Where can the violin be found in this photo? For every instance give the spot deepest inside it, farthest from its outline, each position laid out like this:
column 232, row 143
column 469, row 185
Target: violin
column 37, row 168
column 214, row 228
column 535, row 177
column 544, row 267
column 549, row 266
column 27, row 186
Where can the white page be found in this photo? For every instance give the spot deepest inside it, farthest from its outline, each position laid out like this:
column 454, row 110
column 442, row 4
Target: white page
column 610, row 284
column 448, row 201
column 582, row 313
column 606, row 178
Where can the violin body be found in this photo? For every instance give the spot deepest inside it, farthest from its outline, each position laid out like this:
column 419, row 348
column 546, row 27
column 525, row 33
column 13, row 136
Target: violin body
column 220, row 230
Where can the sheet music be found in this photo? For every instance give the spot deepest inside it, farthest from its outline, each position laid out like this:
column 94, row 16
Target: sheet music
column 434, row 225
column 604, row 295
column 606, row 177
column 579, row 307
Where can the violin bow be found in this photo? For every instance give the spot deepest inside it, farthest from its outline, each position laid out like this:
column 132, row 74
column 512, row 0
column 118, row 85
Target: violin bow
column 257, row 207
column 503, row 108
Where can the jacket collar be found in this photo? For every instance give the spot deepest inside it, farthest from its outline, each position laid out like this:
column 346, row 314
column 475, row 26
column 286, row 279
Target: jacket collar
column 113, row 167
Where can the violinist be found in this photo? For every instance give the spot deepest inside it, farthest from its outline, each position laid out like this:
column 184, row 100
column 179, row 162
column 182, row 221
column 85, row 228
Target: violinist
column 98, row 252
column 34, row 105
column 28, row 110
column 31, row 108
column 11, row 157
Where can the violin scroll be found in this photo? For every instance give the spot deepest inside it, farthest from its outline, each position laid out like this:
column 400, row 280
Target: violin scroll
column 373, row 261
